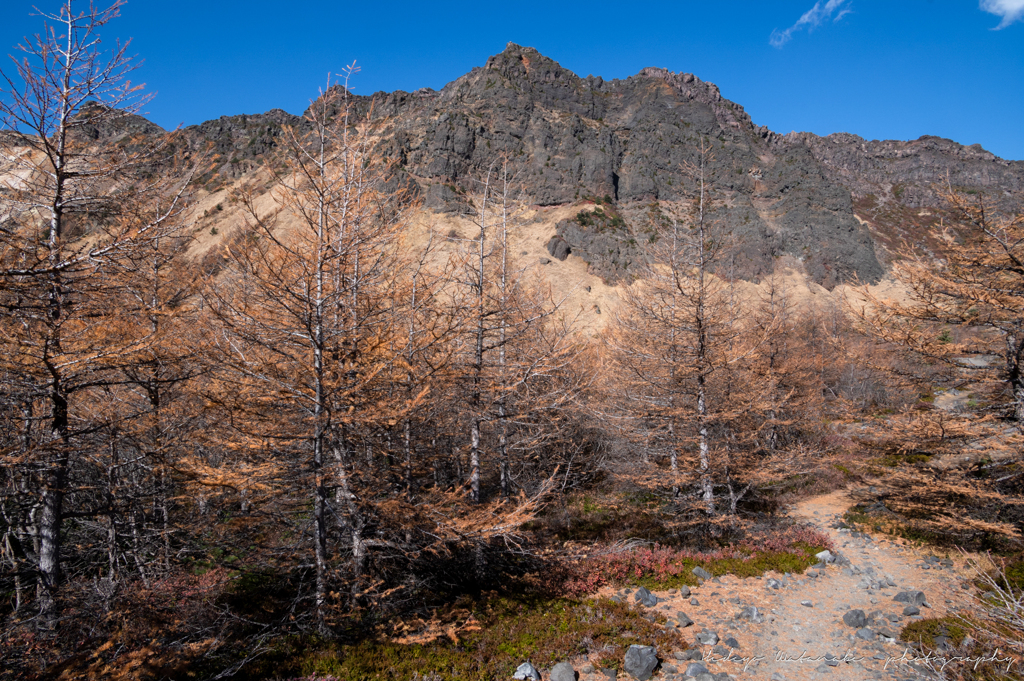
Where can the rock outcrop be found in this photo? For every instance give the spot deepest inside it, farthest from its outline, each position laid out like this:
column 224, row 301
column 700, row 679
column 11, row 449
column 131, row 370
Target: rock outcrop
column 832, row 203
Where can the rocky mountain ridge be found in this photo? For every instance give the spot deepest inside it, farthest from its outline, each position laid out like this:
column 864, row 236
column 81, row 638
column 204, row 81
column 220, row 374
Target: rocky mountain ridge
column 836, row 204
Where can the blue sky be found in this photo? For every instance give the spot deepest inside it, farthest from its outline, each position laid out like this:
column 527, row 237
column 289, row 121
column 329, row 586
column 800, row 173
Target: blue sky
column 892, row 69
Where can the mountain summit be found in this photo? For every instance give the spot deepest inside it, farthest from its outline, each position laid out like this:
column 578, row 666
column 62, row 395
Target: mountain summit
column 834, row 204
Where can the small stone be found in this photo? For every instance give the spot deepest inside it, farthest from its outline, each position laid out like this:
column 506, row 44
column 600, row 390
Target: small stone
column 825, row 557
column 911, row 597
column 911, row 610
column 866, row 634
column 695, row 668
column 587, row 669
column 773, row 584
column 545, row 261
column 701, row 573
column 684, row 591
column 645, row 597
column 777, row 677
column 731, row 642
column 750, row 613
column 807, row 604
column 706, row 638
column 608, row 674
column 694, row 601
column 526, row 671
column 669, row 669
column 855, row 618
column 562, row 671
column 823, row 669
column 684, row 621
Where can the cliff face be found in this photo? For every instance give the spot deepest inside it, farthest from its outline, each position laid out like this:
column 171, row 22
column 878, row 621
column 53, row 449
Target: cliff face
column 582, row 138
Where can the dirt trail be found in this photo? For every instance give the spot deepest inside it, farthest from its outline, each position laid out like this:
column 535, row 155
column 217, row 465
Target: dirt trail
column 803, row 618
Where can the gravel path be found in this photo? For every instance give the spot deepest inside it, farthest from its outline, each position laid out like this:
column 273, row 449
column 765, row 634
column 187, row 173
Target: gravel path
column 803, row 615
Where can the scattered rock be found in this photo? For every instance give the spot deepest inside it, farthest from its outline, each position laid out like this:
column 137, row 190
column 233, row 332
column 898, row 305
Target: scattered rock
column 701, row 573
column 855, row 619
column 706, row 637
column 645, row 597
column 694, row 601
column 807, row 604
column 773, row 584
column 608, row 674
column 825, row 557
column 545, row 261
column 695, row 668
column 640, row 662
column 866, row 634
column 731, row 642
column 587, row 669
column 911, row 597
column 684, row 621
column 750, row 613
column 911, row 610
column 562, row 671
column 526, row 671
column 684, row 591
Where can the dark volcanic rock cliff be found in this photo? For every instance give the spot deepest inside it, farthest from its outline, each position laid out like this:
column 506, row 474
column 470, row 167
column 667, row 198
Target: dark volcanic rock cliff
column 576, row 138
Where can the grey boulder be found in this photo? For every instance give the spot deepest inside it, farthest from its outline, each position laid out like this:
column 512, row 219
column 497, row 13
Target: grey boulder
column 562, row 671
column 701, row 573
column 750, row 613
column 695, row 668
column 866, row 634
column 640, row 662
column 526, row 671
column 911, row 597
column 855, row 619
column 706, row 638
column 645, row 597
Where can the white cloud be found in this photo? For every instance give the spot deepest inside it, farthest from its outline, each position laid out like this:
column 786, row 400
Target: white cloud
column 833, row 10
column 1009, row 10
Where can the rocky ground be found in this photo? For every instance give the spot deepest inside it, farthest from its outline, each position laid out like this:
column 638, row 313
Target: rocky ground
column 840, row 620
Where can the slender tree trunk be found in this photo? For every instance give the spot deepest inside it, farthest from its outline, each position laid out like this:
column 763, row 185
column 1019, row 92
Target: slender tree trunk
column 1015, row 356
column 474, row 459
column 706, row 484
